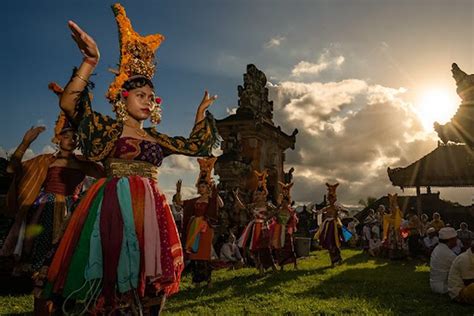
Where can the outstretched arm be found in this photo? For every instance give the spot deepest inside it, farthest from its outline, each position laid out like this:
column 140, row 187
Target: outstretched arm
column 15, row 160
column 78, row 83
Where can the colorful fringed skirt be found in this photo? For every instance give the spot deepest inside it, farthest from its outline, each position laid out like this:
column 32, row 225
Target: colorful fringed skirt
column 32, row 239
column 120, row 249
column 256, row 236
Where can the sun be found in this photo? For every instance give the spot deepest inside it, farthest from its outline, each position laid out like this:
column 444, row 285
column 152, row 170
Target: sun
column 436, row 105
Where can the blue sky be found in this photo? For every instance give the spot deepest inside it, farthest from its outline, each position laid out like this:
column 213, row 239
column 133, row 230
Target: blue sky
column 394, row 44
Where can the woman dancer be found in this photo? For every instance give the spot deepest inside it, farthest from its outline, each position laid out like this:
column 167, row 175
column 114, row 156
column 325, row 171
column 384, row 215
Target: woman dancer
column 121, row 249
column 199, row 216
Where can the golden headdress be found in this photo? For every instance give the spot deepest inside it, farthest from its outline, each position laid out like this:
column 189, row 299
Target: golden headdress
column 62, row 123
column 261, row 179
column 137, row 53
column 286, row 190
column 332, row 190
column 206, row 165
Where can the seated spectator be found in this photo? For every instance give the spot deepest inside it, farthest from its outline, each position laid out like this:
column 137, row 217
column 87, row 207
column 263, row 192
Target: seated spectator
column 230, row 253
column 430, row 241
column 461, row 277
column 437, row 223
column 441, row 259
column 465, row 235
column 425, row 223
column 458, row 248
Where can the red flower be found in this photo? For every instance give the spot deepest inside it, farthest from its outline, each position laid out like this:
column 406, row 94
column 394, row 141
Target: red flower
column 158, row 100
column 124, row 93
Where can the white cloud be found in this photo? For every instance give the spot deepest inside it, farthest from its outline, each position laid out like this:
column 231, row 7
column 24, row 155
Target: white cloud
column 231, row 111
column 327, row 60
column 179, row 162
column 48, row 149
column 275, row 41
column 350, row 132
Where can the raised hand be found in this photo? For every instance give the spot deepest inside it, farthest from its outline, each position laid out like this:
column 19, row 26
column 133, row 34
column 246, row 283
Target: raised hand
column 85, row 42
column 206, row 101
column 32, row 134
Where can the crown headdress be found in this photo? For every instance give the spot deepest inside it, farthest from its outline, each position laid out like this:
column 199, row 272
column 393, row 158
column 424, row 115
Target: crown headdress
column 261, row 179
column 205, row 165
column 137, row 53
column 62, row 123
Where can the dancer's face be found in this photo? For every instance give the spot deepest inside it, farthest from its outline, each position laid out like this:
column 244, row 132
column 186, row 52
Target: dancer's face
column 140, row 102
column 68, row 141
column 202, row 189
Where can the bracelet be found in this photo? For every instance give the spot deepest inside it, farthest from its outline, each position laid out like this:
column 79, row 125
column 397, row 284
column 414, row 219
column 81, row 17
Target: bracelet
column 82, row 78
column 90, row 61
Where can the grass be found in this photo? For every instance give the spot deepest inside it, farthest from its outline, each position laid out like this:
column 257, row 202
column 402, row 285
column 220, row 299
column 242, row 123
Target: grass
column 361, row 285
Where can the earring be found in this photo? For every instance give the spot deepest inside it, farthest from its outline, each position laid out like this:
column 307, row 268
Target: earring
column 120, row 109
column 155, row 116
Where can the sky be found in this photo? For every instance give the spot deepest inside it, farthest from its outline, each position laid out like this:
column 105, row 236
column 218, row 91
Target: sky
column 362, row 80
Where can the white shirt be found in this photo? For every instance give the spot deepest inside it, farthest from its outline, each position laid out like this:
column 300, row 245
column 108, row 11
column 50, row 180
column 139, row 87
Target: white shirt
column 461, row 269
column 458, row 248
column 440, row 263
column 430, row 242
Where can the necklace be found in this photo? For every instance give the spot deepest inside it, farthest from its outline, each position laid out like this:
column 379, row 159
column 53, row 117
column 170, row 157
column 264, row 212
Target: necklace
column 141, row 132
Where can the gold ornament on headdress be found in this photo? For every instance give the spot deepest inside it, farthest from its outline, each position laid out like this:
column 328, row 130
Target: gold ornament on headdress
column 332, row 190
column 286, row 190
column 206, row 165
column 261, row 179
column 137, row 53
column 62, row 121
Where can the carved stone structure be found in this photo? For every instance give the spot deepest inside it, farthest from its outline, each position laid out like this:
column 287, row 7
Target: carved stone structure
column 461, row 127
column 251, row 139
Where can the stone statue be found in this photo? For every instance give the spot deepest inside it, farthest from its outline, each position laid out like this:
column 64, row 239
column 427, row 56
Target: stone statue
column 253, row 95
column 464, row 83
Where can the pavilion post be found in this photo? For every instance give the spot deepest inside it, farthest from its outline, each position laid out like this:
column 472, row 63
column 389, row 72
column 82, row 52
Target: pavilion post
column 418, row 201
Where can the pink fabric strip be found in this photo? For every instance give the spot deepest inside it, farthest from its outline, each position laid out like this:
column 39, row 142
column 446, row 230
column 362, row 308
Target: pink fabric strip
column 152, row 235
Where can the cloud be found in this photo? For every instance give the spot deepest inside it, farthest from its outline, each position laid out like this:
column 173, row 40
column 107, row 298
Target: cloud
column 48, row 149
column 350, row 132
column 327, row 60
column 275, row 41
column 231, row 111
column 179, row 162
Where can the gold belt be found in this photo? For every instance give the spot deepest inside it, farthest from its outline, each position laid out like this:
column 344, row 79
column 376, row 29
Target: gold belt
column 123, row 168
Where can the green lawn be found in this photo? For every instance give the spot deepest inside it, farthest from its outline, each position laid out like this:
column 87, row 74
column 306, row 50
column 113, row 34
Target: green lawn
column 359, row 286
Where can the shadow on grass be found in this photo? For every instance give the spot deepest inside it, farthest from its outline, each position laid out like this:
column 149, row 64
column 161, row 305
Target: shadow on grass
column 395, row 287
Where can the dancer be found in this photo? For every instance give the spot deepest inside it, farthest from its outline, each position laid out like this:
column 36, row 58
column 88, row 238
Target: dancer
column 284, row 227
column 42, row 196
column 329, row 233
column 121, row 250
column 199, row 216
column 392, row 238
column 256, row 235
